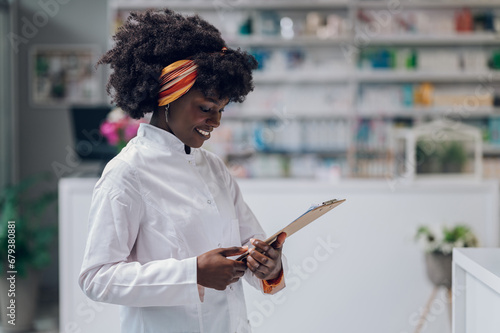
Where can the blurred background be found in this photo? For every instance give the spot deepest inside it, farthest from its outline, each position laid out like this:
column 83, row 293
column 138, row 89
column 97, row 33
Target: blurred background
column 393, row 105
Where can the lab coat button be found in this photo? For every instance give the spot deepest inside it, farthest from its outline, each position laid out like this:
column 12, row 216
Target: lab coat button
column 219, row 245
column 209, row 202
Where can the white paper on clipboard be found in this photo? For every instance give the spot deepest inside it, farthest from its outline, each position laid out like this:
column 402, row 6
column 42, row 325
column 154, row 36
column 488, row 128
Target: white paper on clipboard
column 309, row 216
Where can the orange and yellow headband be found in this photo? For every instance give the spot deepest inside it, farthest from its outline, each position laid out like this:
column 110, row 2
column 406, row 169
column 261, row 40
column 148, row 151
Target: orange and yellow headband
column 176, row 79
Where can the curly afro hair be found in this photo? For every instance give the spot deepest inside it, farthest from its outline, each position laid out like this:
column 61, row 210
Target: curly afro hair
column 153, row 39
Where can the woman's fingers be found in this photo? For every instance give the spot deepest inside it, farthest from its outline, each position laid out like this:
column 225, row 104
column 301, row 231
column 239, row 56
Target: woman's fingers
column 257, row 268
column 265, row 260
column 266, row 250
column 261, row 258
column 280, row 240
column 259, row 264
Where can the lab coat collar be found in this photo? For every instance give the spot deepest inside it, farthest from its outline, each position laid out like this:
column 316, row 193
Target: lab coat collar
column 162, row 137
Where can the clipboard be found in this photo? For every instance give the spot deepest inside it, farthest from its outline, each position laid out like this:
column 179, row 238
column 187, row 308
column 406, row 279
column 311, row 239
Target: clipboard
column 309, row 216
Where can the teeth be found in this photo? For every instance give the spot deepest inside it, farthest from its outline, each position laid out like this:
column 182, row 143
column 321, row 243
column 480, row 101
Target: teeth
column 203, row 132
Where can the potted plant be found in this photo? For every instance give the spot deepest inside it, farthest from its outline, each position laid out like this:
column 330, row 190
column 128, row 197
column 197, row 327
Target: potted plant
column 428, row 161
column 447, row 157
column 439, row 246
column 24, row 248
column 454, row 157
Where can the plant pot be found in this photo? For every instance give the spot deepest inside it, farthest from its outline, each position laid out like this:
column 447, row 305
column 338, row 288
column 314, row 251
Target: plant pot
column 439, row 268
column 428, row 165
column 26, row 296
column 452, row 167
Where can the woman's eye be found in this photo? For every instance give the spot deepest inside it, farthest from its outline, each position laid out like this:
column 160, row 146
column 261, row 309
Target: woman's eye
column 205, row 109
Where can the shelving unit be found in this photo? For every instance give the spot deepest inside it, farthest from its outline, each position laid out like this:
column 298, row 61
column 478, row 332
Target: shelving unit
column 443, row 40
column 309, row 81
column 281, row 42
column 416, row 76
column 375, row 76
column 441, row 4
column 197, row 5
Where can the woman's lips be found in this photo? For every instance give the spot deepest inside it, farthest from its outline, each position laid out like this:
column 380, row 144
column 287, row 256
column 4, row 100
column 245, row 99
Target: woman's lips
column 205, row 134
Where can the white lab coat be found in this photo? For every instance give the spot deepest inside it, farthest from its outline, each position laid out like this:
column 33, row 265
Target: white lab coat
column 154, row 209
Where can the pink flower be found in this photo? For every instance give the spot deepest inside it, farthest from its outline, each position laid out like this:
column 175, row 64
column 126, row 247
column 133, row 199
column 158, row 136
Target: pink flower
column 123, row 123
column 119, row 127
column 110, row 132
column 131, row 130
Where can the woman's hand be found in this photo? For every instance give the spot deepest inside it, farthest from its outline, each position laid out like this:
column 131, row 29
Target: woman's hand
column 216, row 271
column 265, row 260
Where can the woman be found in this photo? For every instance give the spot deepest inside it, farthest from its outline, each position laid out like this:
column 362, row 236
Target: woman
column 166, row 214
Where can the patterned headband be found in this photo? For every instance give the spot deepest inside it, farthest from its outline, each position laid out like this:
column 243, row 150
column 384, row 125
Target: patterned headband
column 176, row 79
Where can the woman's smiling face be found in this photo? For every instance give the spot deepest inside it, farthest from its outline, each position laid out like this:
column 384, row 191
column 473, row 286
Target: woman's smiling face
column 192, row 117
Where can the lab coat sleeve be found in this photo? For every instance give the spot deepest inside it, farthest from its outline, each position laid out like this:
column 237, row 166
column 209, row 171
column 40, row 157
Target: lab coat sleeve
column 109, row 273
column 250, row 228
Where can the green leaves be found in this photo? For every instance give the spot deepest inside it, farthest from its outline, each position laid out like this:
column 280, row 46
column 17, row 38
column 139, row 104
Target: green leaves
column 424, row 231
column 445, row 157
column 445, row 239
column 460, row 233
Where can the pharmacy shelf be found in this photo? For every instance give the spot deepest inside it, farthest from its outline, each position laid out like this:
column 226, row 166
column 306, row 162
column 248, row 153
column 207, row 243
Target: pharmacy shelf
column 432, row 112
column 323, row 152
column 346, row 41
column 394, row 40
column 370, row 151
column 302, row 77
column 420, row 76
column 375, row 76
column 301, row 115
column 463, row 114
column 295, row 5
column 432, row 40
column 444, row 4
column 278, row 41
column 491, row 149
column 196, row 5
column 409, row 113
column 347, row 74
column 363, row 112
column 386, row 114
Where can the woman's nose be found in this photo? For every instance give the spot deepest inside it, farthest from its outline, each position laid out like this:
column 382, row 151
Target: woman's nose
column 214, row 120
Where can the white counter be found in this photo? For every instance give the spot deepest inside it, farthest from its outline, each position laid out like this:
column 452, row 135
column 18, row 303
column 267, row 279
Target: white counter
column 357, row 269
column 476, row 290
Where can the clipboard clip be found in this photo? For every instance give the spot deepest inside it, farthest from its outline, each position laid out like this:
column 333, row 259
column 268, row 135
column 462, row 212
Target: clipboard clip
column 329, row 202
